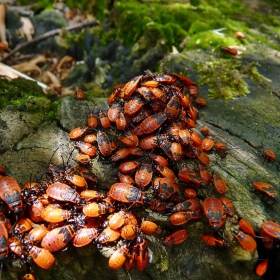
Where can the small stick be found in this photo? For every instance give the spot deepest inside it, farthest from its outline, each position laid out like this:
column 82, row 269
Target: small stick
column 49, row 34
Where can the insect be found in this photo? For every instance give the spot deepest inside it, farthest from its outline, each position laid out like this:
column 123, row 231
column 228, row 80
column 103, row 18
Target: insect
column 117, row 220
column 230, row 51
column 127, row 193
column 150, row 228
column 42, row 257
column 261, row 268
column 132, row 106
column 104, row 120
column 214, row 211
column 269, row 155
column 56, row 215
column 129, row 232
column 129, row 140
column 120, row 154
column 177, row 237
column 92, row 194
column 165, row 187
column 246, row 241
column 130, row 86
column 35, row 235
column 192, row 178
column 149, row 142
column 80, row 94
column 83, row 159
column 84, row 236
column 58, row 238
column 272, row 229
column 23, row 225
column 228, row 206
column 266, row 189
column 143, row 175
column 114, row 111
column 107, row 235
column 246, row 227
column 63, row 192
column 190, row 193
column 28, row 276
column 219, row 184
column 165, row 171
column 10, row 193
column 95, row 209
column 92, row 121
column 3, row 241
column 207, row 143
column 77, row 132
column 192, row 205
column 213, row 241
column 86, row 148
column 128, row 166
column 141, row 253
column 172, row 108
column 117, row 259
column 104, row 143
column 180, row 218
column 204, row 174
column 121, row 121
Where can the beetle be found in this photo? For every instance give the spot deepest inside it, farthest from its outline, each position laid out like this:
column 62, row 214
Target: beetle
column 165, row 188
column 266, row 189
column 219, row 184
column 159, row 160
column 125, row 178
column 214, row 241
column 129, row 140
column 192, row 178
column 56, row 215
column 132, row 106
column 95, row 209
column 269, row 155
column 104, row 120
column 230, row 51
column 10, row 193
column 177, row 237
column 246, row 241
column 261, row 268
column 181, row 217
column 92, row 120
column 90, row 138
column 159, row 95
column 267, row 240
column 152, row 123
column 190, row 193
column 16, row 247
column 129, row 232
column 149, row 142
column 23, row 225
column 214, row 211
column 141, row 253
column 204, row 173
column 202, row 157
column 86, row 148
column 176, row 151
column 141, row 115
column 121, row 121
column 42, row 257
column 145, row 92
column 135, row 151
column 118, row 258
column 58, row 238
column 76, row 178
column 207, row 143
column 114, row 111
column 84, row 236
column 104, row 143
column 184, row 80
column 92, row 195
column 63, row 192
column 108, row 235
column 195, row 138
column 221, row 148
column 165, row 171
column 4, row 249
column 117, row 92
column 83, row 159
column 165, row 145
column 172, row 108
column 128, row 166
column 35, row 208
column 126, row 193
column 143, row 175
column 28, row 276
column 228, row 206
column 204, row 130
column 149, row 227
column 80, row 94
column 120, row 154
column 192, row 205
column 77, row 132
column 272, row 229
column 35, row 235
column 185, row 136
column 117, row 219
column 130, row 86
column 246, row 227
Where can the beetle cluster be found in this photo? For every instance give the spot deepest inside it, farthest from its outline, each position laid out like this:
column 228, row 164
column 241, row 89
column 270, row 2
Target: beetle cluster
column 147, row 133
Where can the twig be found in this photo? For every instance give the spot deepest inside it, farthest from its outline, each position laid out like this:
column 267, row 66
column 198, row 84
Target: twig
column 49, row 34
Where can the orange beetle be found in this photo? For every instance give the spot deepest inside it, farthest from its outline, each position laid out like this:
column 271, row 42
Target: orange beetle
column 150, row 228
column 92, row 194
column 121, row 121
column 128, row 166
column 55, row 215
column 23, row 225
column 129, row 140
column 190, row 193
column 90, row 138
column 95, row 209
column 83, row 159
column 213, row 241
column 132, row 106
column 86, row 148
column 120, row 154
column 114, row 111
column 117, row 220
column 192, row 205
column 272, row 229
column 130, row 87
column 143, row 175
column 125, row 178
column 28, row 276
column 58, row 238
column 204, row 174
column 177, row 237
column 84, row 236
column 92, row 121
column 152, row 123
column 159, row 160
column 207, row 143
column 129, row 232
column 16, row 247
column 266, row 189
column 246, row 241
column 165, row 187
column 172, row 108
column 42, row 257
column 104, row 143
column 262, row 268
column 108, row 235
column 246, row 226
column 148, row 142
column 141, row 253
column 35, row 235
column 117, row 259
column 80, row 94
column 10, row 193
column 77, row 132
column 228, row 206
column 180, row 218
column 104, row 120
column 219, row 184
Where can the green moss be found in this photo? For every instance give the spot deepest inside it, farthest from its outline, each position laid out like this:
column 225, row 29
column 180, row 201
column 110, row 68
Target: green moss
column 226, row 77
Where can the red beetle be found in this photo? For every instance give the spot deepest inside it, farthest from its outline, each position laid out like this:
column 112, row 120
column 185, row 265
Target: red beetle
column 117, row 92
column 191, row 205
column 272, row 229
column 192, row 178
column 207, row 143
column 132, row 106
column 145, row 92
column 262, row 267
column 108, row 235
column 126, row 193
column 141, row 253
column 104, row 120
column 165, row 171
column 152, row 123
column 219, row 184
column 35, row 235
column 121, row 121
column 213, row 241
column 128, row 166
column 58, row 238
column 114, row 111
column 23, row 225
column 92, row 121
column 84, row 236
column 120, row 154
column 149, row 142
column 266, row 189
column 177, row 237
column 10, row 193
column 118, row 258
column 180, row 218
column 230, row 51
column 172, row 108
column 41, row 257
column 86, row 148
column 228, row 206
column 214, row 211
column 190, row 193
column 130, row 86
column 104, row 143
column 204, row 173
column 77, row 132
column 129, row 140
column 143, row 175
column 246, row 227
column 269, row 155
column 125, row 178
column 246, row 241
column 165, row 187
column 150, row 228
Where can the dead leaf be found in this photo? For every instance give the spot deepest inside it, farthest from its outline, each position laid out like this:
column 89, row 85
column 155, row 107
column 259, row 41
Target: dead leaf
column 50, row 79
column 65, row 59
column 27, row 28
column 25, row 67
column 7, row 72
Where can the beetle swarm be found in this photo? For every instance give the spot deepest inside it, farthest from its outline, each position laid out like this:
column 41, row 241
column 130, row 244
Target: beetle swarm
column 155, row 119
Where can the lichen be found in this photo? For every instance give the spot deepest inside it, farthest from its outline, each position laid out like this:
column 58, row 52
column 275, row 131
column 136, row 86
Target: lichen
column 226, row 77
